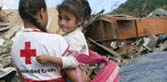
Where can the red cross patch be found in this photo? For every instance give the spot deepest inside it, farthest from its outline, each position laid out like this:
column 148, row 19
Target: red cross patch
column 27, row 52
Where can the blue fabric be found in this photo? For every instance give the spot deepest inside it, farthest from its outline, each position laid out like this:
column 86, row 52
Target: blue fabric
column 148, row 68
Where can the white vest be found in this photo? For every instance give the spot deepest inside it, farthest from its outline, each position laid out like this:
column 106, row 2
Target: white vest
column 77, row 41
column 30, row 44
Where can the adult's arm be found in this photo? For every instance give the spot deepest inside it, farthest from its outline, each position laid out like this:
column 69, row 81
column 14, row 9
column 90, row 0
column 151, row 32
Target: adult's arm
column 64, row 62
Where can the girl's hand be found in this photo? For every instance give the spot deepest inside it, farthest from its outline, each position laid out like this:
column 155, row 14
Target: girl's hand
column 42, row 59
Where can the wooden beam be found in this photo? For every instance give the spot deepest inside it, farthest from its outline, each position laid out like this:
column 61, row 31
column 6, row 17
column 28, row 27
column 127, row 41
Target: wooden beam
column 111, row 51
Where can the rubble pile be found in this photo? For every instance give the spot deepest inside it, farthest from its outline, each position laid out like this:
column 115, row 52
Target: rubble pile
column 7, row 71
column 117, row 38
column 134, row 48
column 150, row 67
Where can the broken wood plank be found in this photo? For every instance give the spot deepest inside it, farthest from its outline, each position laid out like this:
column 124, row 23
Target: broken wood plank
column 108, row 28
column 151, row 26
column 4, row 28
column 106, row 48
column 4, row 24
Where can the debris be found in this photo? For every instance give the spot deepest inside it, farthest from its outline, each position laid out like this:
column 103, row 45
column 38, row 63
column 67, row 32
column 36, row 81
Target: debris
column 127, row 37
column 7, row 32
column 157, row 13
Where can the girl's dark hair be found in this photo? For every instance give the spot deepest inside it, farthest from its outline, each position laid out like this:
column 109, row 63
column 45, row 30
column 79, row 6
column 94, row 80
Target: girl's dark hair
column 73, row 6
column 29, row 8
column 87, row 9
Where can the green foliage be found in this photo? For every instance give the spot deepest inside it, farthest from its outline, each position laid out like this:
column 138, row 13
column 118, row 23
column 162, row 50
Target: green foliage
column 140, row 7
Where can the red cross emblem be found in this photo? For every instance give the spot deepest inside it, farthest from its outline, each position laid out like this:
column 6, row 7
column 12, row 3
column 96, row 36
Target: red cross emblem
column 27, row 52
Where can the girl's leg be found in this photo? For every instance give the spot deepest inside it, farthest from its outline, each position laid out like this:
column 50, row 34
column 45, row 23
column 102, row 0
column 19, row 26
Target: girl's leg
column 73, row 77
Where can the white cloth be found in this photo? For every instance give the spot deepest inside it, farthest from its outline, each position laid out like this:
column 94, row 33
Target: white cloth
column 41, row 43
column 76, row 41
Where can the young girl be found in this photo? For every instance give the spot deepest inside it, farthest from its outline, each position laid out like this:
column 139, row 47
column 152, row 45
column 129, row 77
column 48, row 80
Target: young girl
column 34, row 41
column 70, row 19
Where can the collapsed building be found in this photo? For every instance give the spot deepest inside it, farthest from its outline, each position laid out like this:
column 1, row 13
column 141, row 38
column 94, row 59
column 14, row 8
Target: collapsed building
column 122, row 37
column 138, row 44
column 151, row 67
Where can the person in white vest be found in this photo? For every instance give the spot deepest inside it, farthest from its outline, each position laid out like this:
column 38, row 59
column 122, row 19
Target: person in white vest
column 33, row 41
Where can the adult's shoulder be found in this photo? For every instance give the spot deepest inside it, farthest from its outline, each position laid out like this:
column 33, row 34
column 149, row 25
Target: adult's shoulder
column 50, row 35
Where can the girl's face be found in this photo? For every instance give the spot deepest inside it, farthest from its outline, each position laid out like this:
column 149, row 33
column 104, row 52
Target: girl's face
column 67, row 21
